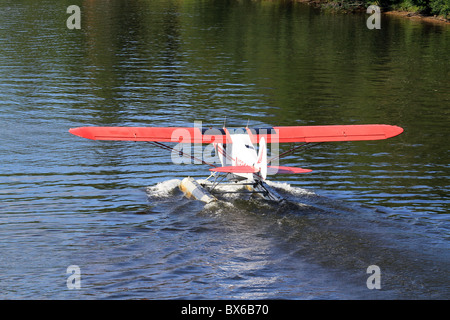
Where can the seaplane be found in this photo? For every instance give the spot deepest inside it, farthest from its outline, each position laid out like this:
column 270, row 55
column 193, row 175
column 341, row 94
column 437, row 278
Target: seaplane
column 239, row 161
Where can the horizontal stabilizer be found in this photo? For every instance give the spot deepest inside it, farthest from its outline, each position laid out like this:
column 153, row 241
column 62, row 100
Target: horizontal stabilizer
column 286, row 170
column 236, row 169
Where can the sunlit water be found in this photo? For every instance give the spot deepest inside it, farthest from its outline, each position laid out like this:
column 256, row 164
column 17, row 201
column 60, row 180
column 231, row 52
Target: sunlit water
column 114, row 208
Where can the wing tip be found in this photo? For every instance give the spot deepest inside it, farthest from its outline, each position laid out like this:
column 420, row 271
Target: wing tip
column 393, row 131
column 82, row 132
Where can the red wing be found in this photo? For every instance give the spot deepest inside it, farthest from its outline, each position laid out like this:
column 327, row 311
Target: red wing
column 333, row 133
column 273, row 134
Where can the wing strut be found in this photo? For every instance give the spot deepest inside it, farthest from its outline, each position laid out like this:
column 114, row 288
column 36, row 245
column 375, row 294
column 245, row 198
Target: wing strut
column 305, row 146
column 163, row 146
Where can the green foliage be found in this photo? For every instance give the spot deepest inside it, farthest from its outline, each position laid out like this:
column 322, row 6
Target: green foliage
column 440, row 7
column 428, row 7
column 419, row 6
column 433, row 7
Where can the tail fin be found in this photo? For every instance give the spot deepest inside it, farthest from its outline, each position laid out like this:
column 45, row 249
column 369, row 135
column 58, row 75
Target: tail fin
column 261, row 164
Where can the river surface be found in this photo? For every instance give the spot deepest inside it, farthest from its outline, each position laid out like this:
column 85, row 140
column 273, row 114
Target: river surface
column 113, row 209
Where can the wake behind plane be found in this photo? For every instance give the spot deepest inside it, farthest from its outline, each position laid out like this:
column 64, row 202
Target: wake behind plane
column 240, row 163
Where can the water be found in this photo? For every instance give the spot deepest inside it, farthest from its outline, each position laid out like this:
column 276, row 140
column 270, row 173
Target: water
column 113, row 208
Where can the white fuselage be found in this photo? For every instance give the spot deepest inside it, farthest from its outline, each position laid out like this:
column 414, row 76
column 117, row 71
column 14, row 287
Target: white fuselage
column 241, row 152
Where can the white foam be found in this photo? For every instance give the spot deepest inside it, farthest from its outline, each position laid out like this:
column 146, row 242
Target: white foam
column 166, row 188
column 286, row 187
column 163, row 189
column 219, row 207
